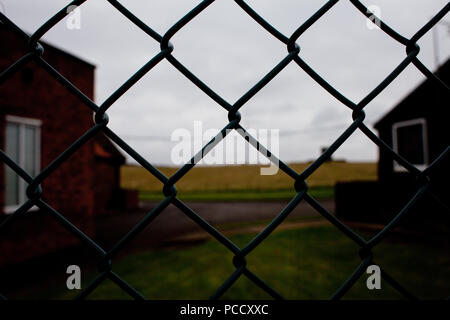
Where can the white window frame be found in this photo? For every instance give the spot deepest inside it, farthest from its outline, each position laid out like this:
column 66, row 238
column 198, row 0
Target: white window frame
column 22, row 122
column 396, row 126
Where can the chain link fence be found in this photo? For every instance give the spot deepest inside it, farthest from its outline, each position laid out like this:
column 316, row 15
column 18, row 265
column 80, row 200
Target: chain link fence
column 34, row 191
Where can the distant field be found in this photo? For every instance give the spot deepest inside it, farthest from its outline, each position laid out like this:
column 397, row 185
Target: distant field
column 244, row 182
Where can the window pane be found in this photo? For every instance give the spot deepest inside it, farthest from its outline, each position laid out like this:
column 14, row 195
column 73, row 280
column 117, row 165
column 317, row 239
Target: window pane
column 410, row 143
column 12, row 141
column 12, row 188
column 30, row 150
column 12, row 149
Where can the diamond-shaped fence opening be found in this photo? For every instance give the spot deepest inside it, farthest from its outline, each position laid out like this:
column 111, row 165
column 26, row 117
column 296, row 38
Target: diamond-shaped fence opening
column 35, row 195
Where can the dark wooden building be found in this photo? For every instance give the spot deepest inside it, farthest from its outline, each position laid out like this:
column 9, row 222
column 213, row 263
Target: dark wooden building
column 418, row 130
column 39, row 119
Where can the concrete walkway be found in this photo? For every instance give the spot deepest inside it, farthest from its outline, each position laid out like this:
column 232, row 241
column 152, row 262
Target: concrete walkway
column 172, row 225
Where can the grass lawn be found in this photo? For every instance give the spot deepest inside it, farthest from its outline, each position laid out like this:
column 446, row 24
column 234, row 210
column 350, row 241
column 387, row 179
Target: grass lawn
column 305, row 263
column 326, row 192
column 244, row 182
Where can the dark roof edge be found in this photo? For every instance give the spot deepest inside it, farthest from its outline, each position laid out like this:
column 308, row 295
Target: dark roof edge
column 53, row 47
column 70, row 55
column 423, row 83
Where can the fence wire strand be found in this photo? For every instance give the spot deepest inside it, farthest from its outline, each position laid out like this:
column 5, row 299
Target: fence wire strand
column 34, row 191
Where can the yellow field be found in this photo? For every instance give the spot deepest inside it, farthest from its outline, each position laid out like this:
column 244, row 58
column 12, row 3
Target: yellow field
column 247, row 177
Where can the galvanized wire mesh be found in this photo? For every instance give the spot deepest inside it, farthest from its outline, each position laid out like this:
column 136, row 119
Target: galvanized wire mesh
column 34, row 191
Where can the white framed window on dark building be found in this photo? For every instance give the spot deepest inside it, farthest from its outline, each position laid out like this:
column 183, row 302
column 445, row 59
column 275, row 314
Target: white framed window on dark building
column 23, row 145
column 410, row 140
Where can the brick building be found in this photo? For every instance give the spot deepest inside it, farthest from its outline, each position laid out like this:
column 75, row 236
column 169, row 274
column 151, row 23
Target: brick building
column 39, row 119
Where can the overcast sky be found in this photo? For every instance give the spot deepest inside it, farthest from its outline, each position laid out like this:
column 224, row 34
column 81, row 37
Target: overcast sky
column 230, row 52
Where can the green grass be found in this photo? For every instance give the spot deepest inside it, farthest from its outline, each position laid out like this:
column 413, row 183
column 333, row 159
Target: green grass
column 239, row 195
column 306, row 263
column 244, row 182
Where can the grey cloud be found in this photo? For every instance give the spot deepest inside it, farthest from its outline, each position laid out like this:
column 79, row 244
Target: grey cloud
column 230, row 52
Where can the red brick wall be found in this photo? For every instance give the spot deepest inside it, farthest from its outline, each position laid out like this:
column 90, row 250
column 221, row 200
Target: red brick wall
column 107, row 191
column 64, row 119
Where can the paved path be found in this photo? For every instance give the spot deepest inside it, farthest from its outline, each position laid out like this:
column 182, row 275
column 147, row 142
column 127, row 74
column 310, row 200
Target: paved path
column 172, row 224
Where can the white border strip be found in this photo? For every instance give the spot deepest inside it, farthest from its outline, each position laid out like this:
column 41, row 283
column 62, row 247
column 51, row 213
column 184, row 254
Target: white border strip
column 400, row 124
